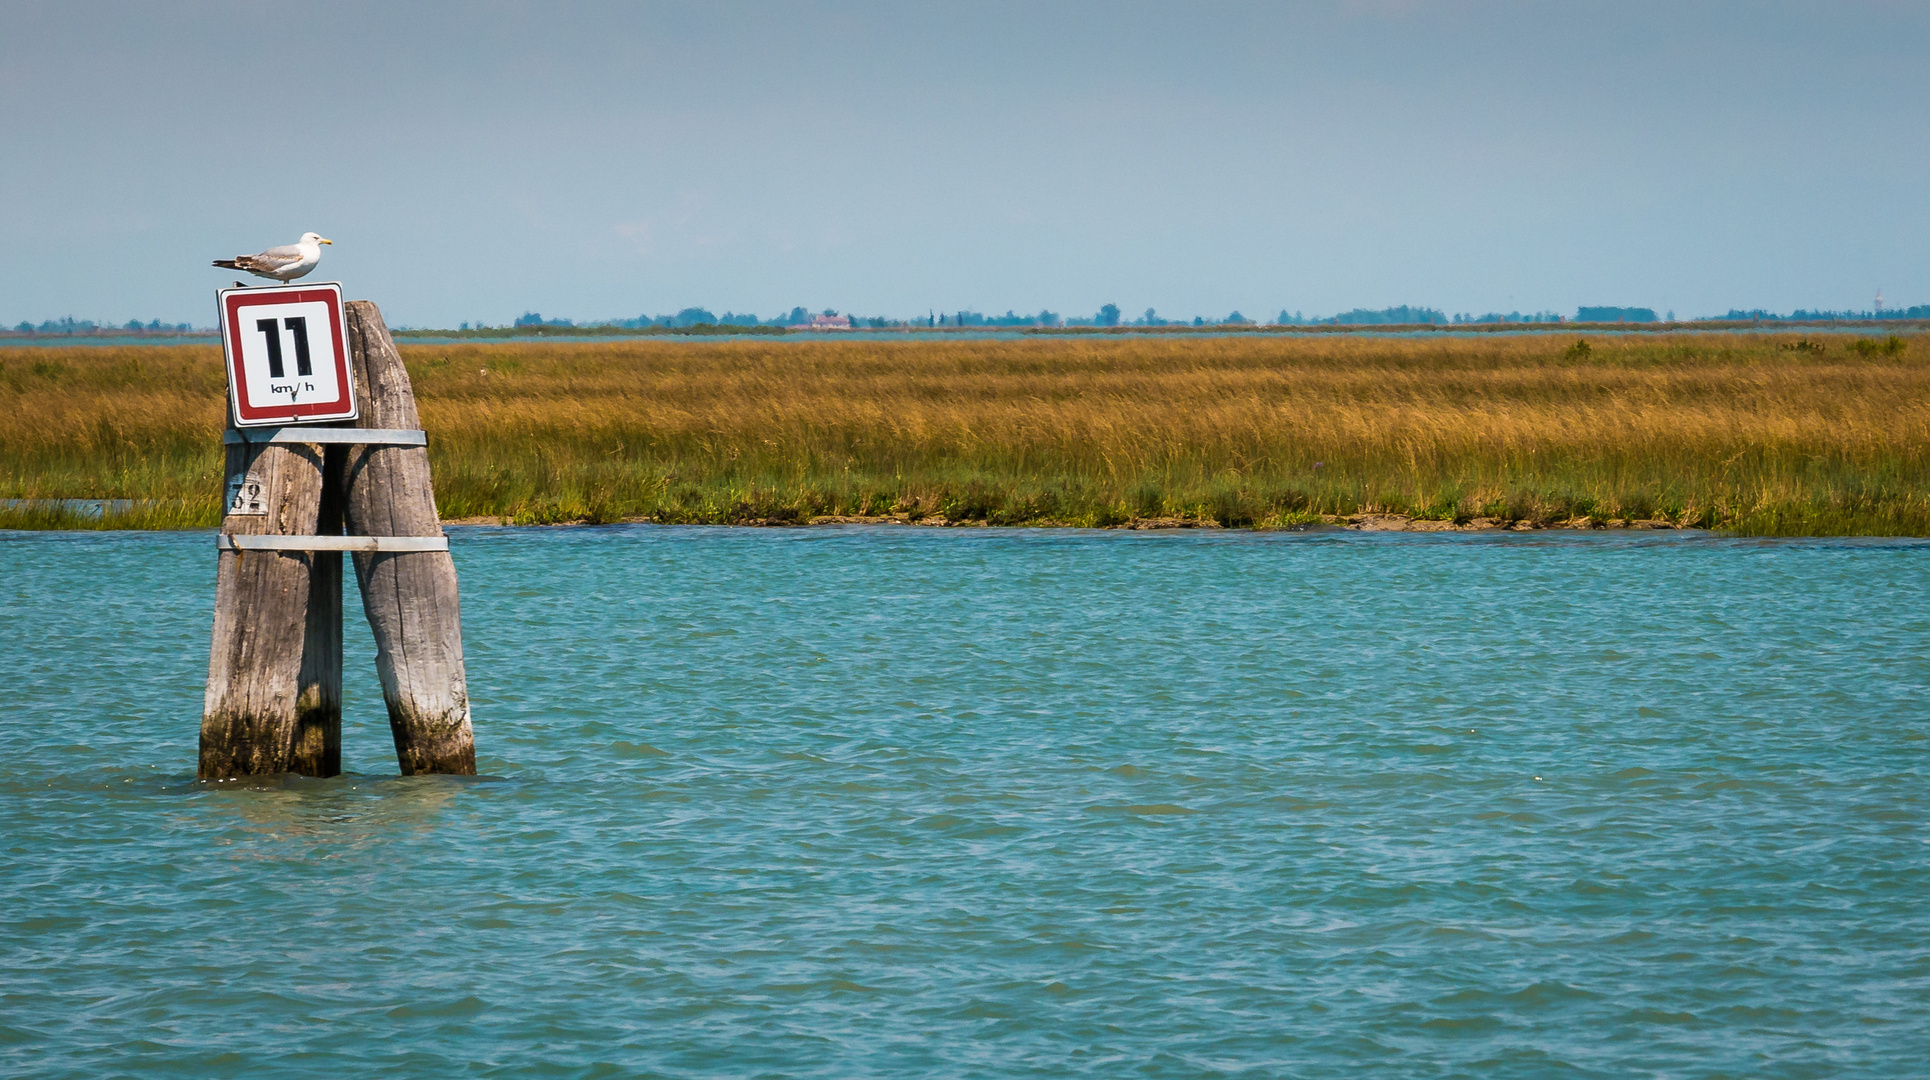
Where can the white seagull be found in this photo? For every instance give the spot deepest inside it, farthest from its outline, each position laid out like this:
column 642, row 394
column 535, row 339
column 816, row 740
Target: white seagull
column 285, row 263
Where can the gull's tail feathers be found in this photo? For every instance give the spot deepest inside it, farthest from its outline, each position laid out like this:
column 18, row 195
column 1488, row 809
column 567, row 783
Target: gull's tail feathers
column 229, row 264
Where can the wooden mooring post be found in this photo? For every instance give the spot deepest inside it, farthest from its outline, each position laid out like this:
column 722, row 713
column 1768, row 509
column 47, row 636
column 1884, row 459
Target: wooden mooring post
column 410, row 598
column 249, row 717
column 274, row 694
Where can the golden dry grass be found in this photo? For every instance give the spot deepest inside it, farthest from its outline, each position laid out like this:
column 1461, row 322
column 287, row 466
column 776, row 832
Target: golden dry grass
column 1758, row 433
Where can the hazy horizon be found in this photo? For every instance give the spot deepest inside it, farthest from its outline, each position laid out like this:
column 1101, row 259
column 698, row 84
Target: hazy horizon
column 474, row 162
column 1149, row 318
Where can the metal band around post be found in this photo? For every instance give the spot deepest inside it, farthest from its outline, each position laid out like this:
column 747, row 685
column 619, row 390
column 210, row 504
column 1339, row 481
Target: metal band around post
column 329, row 435
column 238, row 542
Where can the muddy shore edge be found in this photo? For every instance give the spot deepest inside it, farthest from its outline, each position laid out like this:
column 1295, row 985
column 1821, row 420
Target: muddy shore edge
column 1352, row 522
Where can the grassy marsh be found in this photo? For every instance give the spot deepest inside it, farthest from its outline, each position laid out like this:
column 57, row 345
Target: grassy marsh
column 1757, row 433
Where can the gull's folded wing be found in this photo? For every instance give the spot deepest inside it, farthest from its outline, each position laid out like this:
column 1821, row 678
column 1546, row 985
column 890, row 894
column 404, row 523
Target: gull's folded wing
column 273, row 259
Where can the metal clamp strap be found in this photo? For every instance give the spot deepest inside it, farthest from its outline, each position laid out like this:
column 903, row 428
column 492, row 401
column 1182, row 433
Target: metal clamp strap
column 330, row 435
column 242, row 542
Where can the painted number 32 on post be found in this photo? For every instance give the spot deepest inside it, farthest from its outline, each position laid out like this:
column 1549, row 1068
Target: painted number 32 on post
column 287, row 357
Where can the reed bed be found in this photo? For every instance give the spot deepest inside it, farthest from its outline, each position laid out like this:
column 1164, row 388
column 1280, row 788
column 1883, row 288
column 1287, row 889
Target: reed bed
column 1754, row 433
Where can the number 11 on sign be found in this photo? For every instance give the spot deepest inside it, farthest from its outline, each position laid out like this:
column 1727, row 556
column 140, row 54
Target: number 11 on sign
column 297, row 326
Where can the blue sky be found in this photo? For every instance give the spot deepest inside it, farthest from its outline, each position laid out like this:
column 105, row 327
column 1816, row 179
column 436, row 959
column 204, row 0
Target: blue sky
column 473, row 161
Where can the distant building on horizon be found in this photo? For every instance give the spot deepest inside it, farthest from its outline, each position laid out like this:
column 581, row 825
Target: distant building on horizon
column 829, row 322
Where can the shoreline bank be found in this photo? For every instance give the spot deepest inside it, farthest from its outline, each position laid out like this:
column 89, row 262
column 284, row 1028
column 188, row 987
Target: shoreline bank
column 1350, row 522
column 135, row 515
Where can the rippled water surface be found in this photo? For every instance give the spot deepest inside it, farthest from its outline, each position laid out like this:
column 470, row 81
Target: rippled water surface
column 897, row 803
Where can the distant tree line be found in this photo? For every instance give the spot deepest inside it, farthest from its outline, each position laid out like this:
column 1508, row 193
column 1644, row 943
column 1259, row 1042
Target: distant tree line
column 797, row 316
column 1110, row 315
column 1919, row 311
column 71, row 325
column 976, row 318
column 1615, row 314
column 1495, row 317
column 1403, row 315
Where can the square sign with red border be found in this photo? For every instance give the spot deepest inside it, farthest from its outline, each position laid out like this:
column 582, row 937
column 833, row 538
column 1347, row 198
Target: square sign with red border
column 287, row 354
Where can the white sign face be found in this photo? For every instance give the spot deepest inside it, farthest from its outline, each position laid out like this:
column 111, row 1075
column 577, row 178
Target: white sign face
column 279, row 344
column 287, row 360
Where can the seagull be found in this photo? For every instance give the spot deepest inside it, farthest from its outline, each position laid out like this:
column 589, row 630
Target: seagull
column 281, row 263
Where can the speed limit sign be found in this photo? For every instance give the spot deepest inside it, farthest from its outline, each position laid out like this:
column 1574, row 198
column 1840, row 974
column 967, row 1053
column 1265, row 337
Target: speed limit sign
column 287, row 355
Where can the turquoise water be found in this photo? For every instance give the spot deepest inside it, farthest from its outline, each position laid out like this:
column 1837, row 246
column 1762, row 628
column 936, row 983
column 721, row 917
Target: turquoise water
column 886, row 802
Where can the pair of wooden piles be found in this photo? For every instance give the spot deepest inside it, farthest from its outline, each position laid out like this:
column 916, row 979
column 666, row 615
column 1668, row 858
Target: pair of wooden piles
column 274, row 698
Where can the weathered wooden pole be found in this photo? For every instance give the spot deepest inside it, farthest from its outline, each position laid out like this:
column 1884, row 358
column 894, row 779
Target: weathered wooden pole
column 318, row 697
column 249, row 716
column 409, row 596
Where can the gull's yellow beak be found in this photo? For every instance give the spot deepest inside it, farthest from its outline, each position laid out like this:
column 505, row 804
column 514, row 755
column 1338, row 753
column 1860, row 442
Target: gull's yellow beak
column 325, row 241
